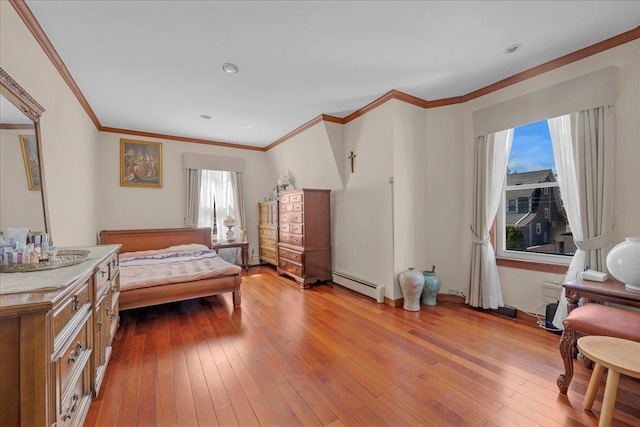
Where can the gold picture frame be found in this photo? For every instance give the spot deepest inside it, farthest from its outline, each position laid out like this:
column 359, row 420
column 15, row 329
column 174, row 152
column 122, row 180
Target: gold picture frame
column 140, row 163
column 29, row 145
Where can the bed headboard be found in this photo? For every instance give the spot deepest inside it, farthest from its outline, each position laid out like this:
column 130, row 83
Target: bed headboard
column 158, row 238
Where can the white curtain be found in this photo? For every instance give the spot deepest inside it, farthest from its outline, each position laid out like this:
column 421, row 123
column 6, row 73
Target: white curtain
column 237, row 187
column 205, row 208
column 491, row 156
column 217, row 185
column 583, row 146
column 192, row 179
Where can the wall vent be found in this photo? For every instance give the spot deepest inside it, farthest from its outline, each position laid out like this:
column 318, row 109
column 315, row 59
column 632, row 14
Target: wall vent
column 359, row 285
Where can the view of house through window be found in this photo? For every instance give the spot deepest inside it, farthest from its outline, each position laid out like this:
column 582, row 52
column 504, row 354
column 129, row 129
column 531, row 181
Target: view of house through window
column 533, row 219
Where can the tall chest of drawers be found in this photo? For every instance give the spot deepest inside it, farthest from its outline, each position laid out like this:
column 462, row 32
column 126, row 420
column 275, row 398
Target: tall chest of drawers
column 304, row 248
column 49, row 343
column 268, row 231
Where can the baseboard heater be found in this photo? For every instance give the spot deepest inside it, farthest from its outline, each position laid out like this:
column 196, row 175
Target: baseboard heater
column 359, row 285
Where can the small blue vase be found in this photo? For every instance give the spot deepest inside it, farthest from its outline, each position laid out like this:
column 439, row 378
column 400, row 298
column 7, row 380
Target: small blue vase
column 431, row 288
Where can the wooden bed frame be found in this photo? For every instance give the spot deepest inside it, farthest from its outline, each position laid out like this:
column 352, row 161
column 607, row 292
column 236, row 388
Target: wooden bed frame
column 140, row 240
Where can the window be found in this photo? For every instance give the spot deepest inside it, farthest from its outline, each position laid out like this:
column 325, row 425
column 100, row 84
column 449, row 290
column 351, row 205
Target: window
column 217, row 200
column 536, row 227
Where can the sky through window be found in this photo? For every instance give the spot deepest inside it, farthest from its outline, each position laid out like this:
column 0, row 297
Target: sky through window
column 531, row 149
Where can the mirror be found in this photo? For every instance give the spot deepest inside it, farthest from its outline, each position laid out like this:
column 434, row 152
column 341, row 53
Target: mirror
column 23, row 199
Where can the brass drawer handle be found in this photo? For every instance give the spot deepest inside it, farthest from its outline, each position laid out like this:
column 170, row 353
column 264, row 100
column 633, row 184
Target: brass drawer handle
column 102, row 273
column 106, row 311
column 69, row 415
column 99, row 325
column 75, row 354
column 75, row 303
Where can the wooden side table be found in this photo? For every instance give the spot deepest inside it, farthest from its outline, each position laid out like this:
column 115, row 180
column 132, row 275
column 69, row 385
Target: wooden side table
column 243, row 245
column 619, row 356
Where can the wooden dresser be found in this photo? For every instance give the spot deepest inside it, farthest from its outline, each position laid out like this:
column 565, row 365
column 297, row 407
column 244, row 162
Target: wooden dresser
column 304, row 250
column 268, row 231
column 56, row 335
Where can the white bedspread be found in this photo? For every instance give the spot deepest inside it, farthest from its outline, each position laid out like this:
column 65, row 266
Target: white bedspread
column 171, row 265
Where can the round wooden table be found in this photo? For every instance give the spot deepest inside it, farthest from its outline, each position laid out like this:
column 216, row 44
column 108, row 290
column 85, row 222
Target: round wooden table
column 619, row 356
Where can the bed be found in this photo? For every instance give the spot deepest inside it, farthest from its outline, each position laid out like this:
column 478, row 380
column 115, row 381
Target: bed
column 152, row 242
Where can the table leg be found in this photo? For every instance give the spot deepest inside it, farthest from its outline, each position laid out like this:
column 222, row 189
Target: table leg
column 245, row 257
column 609, row 398
column 594, row 382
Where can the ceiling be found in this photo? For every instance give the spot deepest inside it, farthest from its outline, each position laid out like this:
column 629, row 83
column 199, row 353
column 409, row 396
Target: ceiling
column 154, row 66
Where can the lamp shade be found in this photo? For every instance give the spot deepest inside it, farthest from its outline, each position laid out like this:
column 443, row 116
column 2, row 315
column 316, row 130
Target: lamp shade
column 623, row 262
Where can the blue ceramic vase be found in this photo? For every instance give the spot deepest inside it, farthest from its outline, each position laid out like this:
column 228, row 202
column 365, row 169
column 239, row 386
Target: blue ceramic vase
column 431, row 288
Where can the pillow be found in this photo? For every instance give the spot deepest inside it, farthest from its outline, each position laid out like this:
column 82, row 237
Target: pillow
column 188, row 248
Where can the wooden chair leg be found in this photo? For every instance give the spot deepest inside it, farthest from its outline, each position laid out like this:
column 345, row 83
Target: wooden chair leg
column 592, row 389
column 609, row 398
column 567, row 347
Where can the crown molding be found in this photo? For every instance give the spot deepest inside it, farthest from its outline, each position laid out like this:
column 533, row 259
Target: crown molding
column 30, row 21
column 178, row 138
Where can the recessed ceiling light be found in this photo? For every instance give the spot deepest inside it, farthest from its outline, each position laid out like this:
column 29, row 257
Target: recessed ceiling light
column 205, row 116
column 510, row 49
column 229, row 68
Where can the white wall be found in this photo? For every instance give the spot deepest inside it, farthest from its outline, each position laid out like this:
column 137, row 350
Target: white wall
column 410, row 206
column 444, row 193
column 69, row 138
column 135, row 207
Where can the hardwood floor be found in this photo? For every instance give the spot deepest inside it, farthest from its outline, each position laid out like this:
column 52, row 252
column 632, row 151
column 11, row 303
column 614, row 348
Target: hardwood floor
column 329, row 356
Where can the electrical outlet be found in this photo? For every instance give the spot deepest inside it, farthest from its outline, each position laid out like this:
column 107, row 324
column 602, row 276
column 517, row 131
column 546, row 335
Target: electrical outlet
column 456, row 292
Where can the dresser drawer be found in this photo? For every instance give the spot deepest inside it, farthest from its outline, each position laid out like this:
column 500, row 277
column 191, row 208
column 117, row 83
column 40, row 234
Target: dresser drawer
column 284, row 199
column 65, row 312
column 269, row 232
column 295, row 228
column 114, row 267
column 75, row 402
column 268, row 243
column 102, row 278
column 284, row 228
column 292, row 239
column 291, row 217
column 291, row 267
column 291, row 255
column 73, row 357
column 295, row 198
column 268, row 254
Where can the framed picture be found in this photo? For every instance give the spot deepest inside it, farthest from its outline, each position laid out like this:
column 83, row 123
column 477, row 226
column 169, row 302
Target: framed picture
column 29, row 145
column 140, row 163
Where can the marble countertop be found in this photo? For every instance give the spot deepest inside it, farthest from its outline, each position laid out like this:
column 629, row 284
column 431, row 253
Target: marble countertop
column 55, row 279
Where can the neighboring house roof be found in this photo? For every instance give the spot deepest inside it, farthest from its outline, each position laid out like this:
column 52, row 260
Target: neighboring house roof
column 519, row 219
column 533, row 177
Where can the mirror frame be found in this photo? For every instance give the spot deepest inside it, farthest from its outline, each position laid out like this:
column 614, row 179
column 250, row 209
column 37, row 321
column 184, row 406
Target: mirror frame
column 30, row 107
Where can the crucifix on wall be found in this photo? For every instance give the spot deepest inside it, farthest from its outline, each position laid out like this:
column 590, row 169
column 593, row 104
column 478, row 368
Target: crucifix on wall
column 352, row 158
